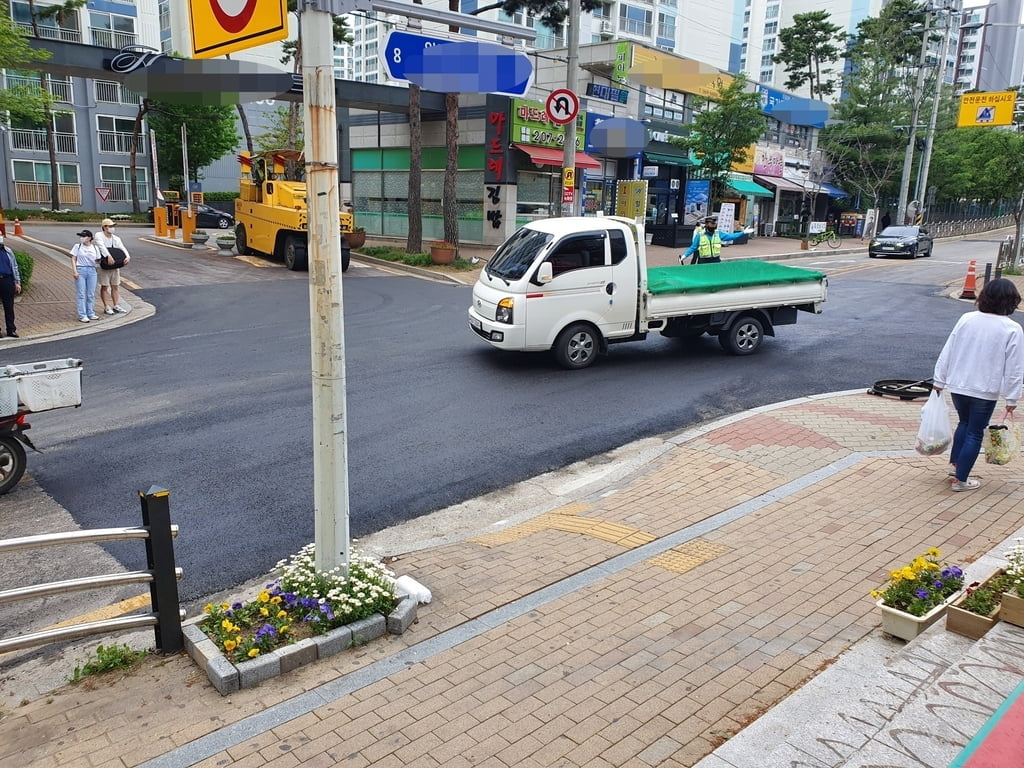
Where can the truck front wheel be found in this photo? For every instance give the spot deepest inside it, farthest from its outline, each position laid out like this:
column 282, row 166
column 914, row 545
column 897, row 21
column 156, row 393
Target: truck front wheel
column 577, row 346
column 744, row 337
column 240, row 241
column 294, row 253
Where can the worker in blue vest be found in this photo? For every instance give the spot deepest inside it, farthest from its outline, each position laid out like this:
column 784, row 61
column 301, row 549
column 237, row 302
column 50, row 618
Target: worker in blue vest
column 706, row 247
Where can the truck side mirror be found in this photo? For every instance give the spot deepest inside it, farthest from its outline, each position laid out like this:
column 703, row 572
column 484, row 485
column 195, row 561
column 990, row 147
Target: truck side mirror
column 544, row 273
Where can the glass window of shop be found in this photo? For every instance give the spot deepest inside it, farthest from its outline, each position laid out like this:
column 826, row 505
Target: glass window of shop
column 381, row 202
column 536, row 195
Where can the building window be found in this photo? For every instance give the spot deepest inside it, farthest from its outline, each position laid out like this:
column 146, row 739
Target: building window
column 771, row 12
column 117, row 177
column 32, row 183
column 635, row 21
column 767, row 75
column 666, row 26
column 111, row 31
column 115, row 134
column 771, row 28
column 769, row 44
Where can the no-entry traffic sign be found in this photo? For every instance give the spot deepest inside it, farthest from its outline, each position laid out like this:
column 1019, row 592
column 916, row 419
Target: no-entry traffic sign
column 224, row 26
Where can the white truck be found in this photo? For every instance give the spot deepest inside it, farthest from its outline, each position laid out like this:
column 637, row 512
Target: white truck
column 575, row 285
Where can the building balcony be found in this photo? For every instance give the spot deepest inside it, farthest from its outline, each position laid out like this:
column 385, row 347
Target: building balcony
column 35, row 141
column 120, row 143
column 38, row 193
column 108, row 38
column 121, row 191
column 115, row 93
column 60, row 90
column 53, row 33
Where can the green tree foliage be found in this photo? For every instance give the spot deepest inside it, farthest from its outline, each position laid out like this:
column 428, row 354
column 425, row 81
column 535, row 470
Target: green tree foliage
column 807, row 48
column 27, row 103
column 278, row 133
column 865, row 149
column 211, row 135
column 723, row 130
column 551, row 13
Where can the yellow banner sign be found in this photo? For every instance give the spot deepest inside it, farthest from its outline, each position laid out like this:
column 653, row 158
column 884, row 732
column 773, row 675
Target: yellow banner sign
column 631, row 199
column 676, row 73
column 226, row 26
column 987, row 109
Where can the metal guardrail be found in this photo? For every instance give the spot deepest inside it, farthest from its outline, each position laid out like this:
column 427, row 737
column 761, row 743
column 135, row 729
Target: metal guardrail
column 162, row 575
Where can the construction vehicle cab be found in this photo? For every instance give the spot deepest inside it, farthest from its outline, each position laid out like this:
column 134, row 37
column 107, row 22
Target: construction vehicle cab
column 271, row 214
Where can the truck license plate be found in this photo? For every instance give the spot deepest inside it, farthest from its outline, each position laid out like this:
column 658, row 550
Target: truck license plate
column 474, row 323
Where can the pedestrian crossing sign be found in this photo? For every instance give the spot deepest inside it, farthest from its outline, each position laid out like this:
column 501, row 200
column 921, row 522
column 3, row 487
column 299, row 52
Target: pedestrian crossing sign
column 986, row 109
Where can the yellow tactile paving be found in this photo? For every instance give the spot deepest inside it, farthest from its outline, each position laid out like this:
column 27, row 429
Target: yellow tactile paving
column 688, row 556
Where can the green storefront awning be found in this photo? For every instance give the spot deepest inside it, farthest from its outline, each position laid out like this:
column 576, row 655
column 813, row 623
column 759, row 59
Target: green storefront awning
column 749, row 187
column 659, row 159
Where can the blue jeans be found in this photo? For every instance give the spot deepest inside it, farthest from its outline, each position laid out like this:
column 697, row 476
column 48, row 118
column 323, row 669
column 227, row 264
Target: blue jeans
column 974, row 414
column 85, row 291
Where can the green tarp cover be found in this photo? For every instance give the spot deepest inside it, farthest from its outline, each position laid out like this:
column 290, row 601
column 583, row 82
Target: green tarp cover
column 708, row 278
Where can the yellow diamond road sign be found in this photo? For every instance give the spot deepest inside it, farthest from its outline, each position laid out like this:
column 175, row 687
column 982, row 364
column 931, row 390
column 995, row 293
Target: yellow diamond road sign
column 986, row 109
column 226, row 26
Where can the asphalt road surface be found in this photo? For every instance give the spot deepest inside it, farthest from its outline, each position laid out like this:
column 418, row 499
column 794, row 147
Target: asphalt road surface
column 211, row 397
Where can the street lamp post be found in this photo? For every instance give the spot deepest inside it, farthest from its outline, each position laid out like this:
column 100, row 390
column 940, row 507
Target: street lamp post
column 908, row 156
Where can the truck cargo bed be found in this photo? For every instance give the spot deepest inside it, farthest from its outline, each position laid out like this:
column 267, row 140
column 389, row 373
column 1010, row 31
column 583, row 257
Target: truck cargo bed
column 731, row 285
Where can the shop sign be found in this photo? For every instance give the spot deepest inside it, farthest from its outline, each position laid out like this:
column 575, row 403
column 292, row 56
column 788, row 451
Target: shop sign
column 531, row 125
column 606, row 92
column 631, row 199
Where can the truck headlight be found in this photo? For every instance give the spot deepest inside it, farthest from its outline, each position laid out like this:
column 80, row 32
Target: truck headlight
column 503, row 314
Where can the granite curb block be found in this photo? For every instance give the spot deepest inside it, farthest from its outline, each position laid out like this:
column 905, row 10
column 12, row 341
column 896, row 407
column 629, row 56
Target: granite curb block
column 228, row 678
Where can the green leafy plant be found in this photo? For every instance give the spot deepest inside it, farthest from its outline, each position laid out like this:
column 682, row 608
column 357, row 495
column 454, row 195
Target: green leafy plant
column 392, row 253
column 108, row 658
column 442, row 245
column 301, row 602
column 980, row 600
column 921, row 585
column 25, row 266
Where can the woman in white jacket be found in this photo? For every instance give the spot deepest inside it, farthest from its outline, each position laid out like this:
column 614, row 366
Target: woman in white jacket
column 982, row 360
column 110, row 279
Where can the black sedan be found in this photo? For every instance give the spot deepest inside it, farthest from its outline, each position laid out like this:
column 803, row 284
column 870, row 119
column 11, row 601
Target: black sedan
column 208, row 218
column 909, row 241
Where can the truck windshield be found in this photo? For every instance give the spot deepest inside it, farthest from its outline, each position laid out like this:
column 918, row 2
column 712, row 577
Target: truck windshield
column 517, row 254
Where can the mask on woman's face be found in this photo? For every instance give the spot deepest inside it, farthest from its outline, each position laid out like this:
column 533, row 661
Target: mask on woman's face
column 85, row 241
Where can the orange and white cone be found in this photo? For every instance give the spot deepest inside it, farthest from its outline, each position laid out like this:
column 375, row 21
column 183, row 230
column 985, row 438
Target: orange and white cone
column 17, row 228
column 970, row 284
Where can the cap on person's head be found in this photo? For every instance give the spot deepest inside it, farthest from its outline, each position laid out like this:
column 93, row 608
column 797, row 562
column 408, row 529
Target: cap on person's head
column 85, row 233
column 107, row 223
column 711, row 220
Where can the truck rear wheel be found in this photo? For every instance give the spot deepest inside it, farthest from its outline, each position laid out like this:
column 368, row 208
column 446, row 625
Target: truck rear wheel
column 744, row 337
column 240, row 242
column 295, row 253
column 577, row 346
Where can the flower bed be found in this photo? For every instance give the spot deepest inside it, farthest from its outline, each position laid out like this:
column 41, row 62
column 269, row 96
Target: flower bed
column 921, row 590
column 303, row 615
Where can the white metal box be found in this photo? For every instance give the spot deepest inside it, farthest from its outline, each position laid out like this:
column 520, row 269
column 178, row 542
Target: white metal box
column 49, row 384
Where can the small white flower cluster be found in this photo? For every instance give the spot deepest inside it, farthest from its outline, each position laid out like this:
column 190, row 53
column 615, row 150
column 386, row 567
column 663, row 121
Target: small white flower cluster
column 1015, row 560
column 368, row 579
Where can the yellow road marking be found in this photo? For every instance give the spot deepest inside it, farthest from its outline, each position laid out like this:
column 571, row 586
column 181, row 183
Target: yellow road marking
column 108, row 612
column 130, row 284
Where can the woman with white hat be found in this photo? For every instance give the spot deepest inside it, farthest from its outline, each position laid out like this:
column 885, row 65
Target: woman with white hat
column 109, row 279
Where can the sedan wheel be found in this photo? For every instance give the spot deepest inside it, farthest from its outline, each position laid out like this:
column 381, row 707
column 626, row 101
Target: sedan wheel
column 223, row 223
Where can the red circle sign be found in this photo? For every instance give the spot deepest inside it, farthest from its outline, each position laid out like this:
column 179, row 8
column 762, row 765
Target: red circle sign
column 562, row 106
column 233, row 15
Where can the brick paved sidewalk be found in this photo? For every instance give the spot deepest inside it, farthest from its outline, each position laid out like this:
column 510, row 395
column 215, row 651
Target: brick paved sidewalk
column 641, row 622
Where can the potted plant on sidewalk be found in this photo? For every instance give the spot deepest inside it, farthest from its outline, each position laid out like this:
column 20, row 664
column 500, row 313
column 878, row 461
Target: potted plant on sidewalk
column 917, row 595
column 225, row 242
column 199, row 236
column 356, row 238
column 442, row 252
column 1012, row 611
column 976, row 611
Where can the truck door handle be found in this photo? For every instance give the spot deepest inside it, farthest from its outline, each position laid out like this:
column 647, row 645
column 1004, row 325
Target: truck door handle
column 610, row 289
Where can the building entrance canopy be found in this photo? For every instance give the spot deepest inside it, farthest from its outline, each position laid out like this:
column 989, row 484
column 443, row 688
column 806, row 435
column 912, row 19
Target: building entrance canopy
column 551, row 156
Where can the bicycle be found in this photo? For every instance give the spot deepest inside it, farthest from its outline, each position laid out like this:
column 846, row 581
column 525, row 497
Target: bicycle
column 829, row 237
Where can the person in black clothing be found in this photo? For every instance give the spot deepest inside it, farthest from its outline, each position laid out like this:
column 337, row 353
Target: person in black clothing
column 886, row 221
column 10, row 286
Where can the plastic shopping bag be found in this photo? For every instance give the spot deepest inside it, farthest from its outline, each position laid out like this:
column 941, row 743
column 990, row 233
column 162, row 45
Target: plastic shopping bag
column 1001, row 442
column 935, row 434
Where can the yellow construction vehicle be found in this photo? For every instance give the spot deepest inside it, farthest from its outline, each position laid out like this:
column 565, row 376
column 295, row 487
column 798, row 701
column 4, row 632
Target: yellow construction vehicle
column 271, row 215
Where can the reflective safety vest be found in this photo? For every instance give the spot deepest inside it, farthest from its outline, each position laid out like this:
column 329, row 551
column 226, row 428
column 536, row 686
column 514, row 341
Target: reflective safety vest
column 709, row 245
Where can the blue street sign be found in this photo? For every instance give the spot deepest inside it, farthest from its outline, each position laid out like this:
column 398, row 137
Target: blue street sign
column 456, row 66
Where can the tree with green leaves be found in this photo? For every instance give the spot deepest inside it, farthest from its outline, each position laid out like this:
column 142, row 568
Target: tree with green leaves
column 210, row 131
column 865, row 148
column 722, row 131
column 550, row 13
column 16, row 54
column 807, row 48
column 57, row 13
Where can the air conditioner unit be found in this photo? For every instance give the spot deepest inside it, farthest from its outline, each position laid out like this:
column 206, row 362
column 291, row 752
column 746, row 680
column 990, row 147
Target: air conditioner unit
column 606, row 28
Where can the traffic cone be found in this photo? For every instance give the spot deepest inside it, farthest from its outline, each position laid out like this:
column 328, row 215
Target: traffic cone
column 17, row 228
column 969, row 284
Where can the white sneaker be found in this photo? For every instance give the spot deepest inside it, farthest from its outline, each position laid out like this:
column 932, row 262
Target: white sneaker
column 119, row 309
column 94, row 317
column 108, row 310
column 83, row 319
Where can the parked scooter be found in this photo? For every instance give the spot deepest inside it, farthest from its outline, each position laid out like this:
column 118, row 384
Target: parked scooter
column 12, row 449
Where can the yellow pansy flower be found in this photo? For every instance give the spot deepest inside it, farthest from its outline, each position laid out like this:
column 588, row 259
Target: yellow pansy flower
column 230, row 645
column 264, row 596
column 253, row 653
column 264, row 612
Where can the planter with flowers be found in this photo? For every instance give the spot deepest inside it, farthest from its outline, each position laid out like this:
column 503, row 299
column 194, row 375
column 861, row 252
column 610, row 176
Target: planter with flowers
column 1012, row 611
column 442, row 252
column 976, row 611
column 303, row 615
column 199, row 236
column 917, row 595
column 225, row 243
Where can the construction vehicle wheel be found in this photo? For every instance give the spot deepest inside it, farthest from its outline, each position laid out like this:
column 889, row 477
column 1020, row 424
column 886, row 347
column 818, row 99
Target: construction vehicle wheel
column 294, row 253
column 240, row 243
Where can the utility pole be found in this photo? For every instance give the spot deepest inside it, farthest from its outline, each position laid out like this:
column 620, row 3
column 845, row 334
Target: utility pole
column 572, row 31
column 940, row 76
column 908, row 156
column 327, row 314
